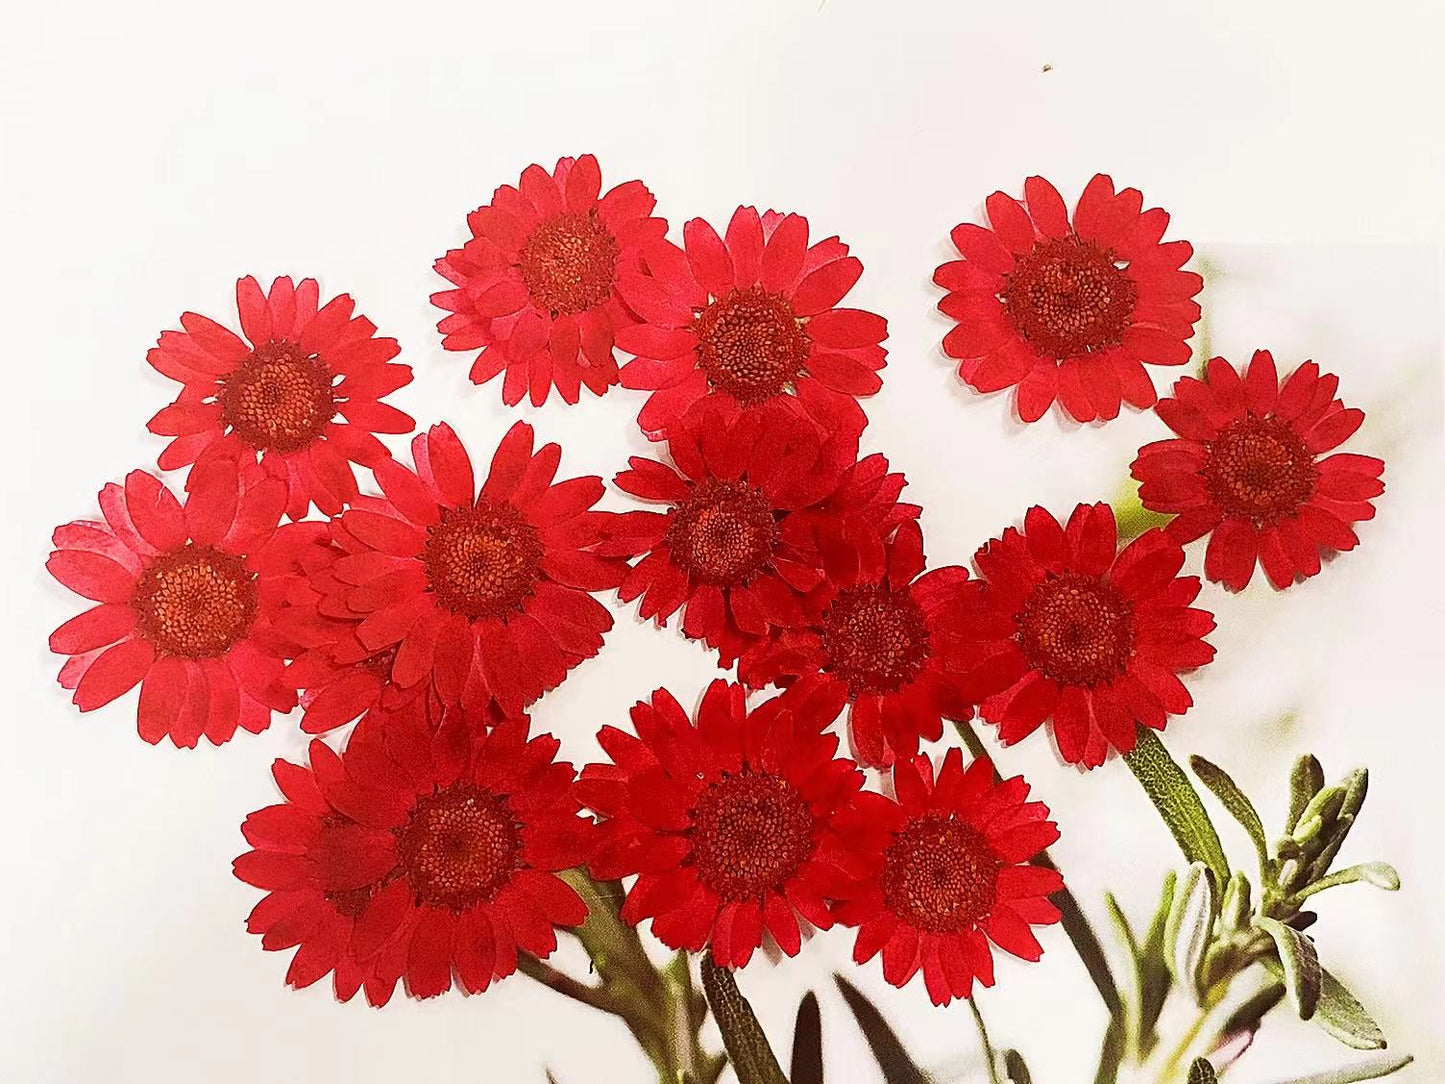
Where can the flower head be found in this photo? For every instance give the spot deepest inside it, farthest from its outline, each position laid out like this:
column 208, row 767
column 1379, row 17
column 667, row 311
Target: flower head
column 187, row 595
column 1078, row 632
column 1246, row 470
column 302, row 397
column 536, row 284
column 945, row 875
column 1069, row 309
column 751, row 317
column 418, row 855
column 727, row 821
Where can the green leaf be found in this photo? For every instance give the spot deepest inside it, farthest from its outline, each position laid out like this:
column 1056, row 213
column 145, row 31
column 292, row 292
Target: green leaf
column 1177, row 802
column 1237, row 908
column 1305, row 782
column 1251, row 1013
column 1357, row 785
column 1302, row 973
column 1014, row 1066
column 1380, row 874
column 753, row 1059
column 888, row 1052
column 1340, row 1014
column 1373, row 1069
column 1189, row 928
column 1236, row 802
column 1201, row 1072
column 807, row 1065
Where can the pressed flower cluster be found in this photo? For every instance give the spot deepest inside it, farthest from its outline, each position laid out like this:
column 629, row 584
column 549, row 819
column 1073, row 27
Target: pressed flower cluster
column 435, row 612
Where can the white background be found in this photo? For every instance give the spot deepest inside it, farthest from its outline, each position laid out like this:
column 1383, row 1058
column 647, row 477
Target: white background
column 153, row 152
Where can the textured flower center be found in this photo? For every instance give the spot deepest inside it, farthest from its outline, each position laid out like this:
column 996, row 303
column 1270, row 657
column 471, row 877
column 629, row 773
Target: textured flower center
column 1077, row 629
column 876, row 639
column 195, row 601
column 460, row 847
column 568, row 263
column 1068, row 297
column 484, row 561
column 1259, row 469
column 751, row 832
column 278, row 399
column 750, row 344
column 940, row 874
column 722, row 533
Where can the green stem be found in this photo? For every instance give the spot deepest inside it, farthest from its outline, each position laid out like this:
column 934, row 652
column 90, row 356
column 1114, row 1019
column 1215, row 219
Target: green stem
column 988, row 1055
column 1178, row 803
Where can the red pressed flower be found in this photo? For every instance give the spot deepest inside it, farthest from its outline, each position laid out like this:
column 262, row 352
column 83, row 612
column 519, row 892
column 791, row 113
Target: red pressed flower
column 946, row 875
column 303, row 396
column 733, row 550
column 535, row 286
column 1069, row 310
column 417, row 855
column 1087, row 635
column 885, row 636
column 1246, row 470
column 727, row 823
column 483, row 593
column 186, row 597
column 752, row 317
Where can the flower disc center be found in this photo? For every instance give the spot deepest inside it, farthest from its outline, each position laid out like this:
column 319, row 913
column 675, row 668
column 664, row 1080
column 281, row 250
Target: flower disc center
column 750, row 344
column 722, row 533
column 279, row 399
column 195, row 601
column 483, row 562
column 1068, row 297
column 876, row 639
column 751, row 832
column 568, row 263
column 1077, row 629
column 460, row 847
column 940, row 874
column 1259, row 469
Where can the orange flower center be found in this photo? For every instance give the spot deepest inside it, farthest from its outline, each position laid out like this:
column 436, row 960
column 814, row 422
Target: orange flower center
column 940, row 874
column 483, row 562
column 278, row 399
column 751, row 832
column 460, row 847
column 1259, row 469
column 722, row 533
column 568, row 263
column 1077, row 629
column 195, row 601
column 750, row 344
column 1068, row 297
column 876, row 639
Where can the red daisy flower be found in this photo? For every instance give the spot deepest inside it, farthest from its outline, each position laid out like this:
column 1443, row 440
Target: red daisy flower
column 946, row 875
column 727, row 823
column 417, row 855
column 280, row 398
column 535, row 284
column 886, row 637
column 752, row 318
column 186, row 596
column 1069, row 310
column 483, row 593
column 1246, row 470
column 1087, row 635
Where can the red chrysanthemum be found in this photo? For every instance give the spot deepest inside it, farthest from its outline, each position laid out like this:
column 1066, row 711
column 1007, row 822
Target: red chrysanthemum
column 303, row 397
column 1085, row 634
column 485, row 594
column 186, row 600
column 417, row 855
column 727, row 823
column 753, row 318
column 535, row 286
column 735, row 549
column 883, row 635
column 1069, row 310
column 946, row 875
column 1246, row 470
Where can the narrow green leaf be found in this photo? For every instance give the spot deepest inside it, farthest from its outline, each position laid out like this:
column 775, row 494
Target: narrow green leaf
column 1154, row 980
column 1380, row 874
column 1373, row 1069
column 1357, row 785
column 1302, row 973
column 888, row 1052
column 1238, row 905
column 1249, row 1015
column 1236, row 802
column 1201, row 1072
column 1340, row 1014
column 1111, row 1053
column 1014, row 1066
column 1189, row 928
column 1132, row 995
column 753, row 1059
column 1305, row 782
column 1177, row 802
column 807, row 1065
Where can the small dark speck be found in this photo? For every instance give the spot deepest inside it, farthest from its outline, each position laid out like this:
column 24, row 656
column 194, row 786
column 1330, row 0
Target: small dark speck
column 1048, row 67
